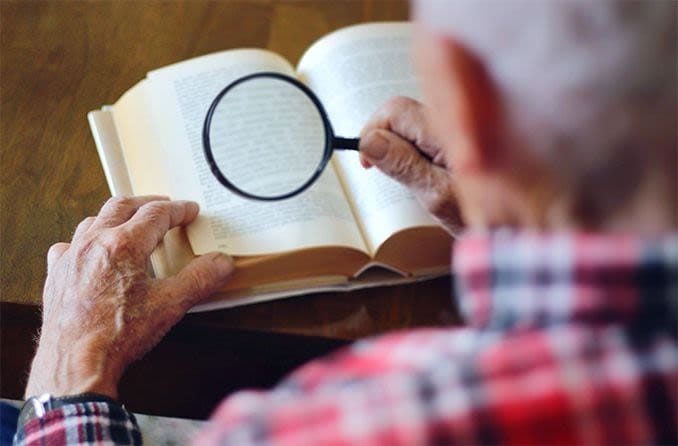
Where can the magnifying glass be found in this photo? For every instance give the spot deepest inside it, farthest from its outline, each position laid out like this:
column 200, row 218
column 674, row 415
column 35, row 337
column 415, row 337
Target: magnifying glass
column 267, row 137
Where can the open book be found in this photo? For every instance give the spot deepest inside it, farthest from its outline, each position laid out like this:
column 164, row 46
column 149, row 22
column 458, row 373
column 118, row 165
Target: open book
column 352, row 228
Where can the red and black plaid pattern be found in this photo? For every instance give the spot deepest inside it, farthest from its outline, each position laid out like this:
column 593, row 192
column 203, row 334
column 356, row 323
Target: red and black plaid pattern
column 81, row 424
column 571, row 339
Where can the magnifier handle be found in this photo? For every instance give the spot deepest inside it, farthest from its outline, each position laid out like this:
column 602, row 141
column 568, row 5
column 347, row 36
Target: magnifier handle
column 340, row 143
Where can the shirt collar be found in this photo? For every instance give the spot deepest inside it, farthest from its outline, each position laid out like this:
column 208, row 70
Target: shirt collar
column 508, row 279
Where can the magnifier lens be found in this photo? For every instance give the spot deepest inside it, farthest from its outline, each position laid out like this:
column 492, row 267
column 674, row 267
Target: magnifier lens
column 267, row 137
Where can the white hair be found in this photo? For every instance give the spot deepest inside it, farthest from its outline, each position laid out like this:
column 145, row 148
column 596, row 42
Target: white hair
column 585, row 84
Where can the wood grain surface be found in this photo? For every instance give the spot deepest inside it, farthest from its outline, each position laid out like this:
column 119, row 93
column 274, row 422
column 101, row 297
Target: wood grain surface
column 61, row 59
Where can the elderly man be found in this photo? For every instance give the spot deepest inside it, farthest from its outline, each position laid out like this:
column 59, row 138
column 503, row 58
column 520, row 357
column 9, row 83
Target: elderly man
column 551, row 127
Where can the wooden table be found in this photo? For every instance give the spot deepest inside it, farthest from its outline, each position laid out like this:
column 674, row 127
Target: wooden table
column 61, row 59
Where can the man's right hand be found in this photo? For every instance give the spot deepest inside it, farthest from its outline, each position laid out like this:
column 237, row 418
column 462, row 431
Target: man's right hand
column 398, row 141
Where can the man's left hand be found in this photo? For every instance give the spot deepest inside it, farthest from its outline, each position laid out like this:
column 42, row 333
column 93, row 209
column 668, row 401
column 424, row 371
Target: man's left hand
column 101, row 310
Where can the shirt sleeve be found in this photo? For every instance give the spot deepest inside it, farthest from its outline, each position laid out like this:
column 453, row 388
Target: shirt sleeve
column 81, row 423
column 371, row 393
column 560, row 386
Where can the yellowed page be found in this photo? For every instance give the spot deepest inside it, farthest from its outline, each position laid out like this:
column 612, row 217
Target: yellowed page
column 139, row 143
column 175, row 100
column 353, row 71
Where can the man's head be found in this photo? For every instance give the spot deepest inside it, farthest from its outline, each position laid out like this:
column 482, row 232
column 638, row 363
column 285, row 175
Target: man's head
column 556, row 112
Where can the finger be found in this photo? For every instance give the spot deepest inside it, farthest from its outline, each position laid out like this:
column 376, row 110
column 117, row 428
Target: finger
column 118, row 210
column 152, row 221
column 83, row 227
column 407, row 118
column 54, row 254
column 400, row 159
column 199, row 279
column 433, row 185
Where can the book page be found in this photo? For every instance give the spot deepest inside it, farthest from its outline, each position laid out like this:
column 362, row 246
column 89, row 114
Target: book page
column 176, row 99
column 139, row 144
column 354, row 71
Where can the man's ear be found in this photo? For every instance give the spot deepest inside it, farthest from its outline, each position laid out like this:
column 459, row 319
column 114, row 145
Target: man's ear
column 475, row 107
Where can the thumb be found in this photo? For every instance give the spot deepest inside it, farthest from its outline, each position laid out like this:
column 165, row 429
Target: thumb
column 200, row 278
column 398, row 158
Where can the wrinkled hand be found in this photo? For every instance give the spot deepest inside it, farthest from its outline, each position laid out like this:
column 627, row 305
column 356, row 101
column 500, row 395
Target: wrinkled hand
column 398, row 141
column 101, row 310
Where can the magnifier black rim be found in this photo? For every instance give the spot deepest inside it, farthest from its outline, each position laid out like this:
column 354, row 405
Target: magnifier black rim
column 207, row 146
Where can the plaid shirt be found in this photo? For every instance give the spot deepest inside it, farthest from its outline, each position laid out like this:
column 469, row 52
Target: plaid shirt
column 571, row 339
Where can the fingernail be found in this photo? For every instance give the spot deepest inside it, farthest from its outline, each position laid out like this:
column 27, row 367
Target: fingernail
column 223, row 262
column 374, row 147
column 193, row 206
